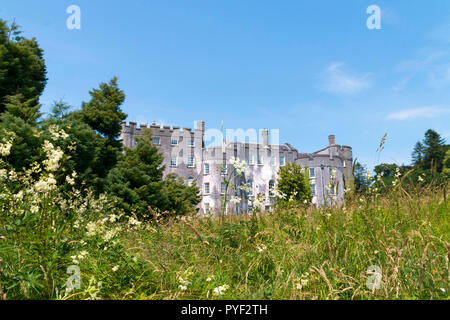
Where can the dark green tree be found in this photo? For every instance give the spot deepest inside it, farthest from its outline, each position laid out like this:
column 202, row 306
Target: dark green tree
column 418, row 154
column 293, row 182
column 138, row 181
column 104, row 116
column 435, row 150
column 22, row 66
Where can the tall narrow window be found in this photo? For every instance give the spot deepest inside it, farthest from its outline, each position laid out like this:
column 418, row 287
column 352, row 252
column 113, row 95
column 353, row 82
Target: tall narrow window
column 174, row 141
column 156, row 141
column 282, row 161
column 251, row 159
column 250, row 186
column 173, row 161
column 206, row 168
column 313, row 189
column 260, row 160
column 206, row 188
column 191, row 161
column 271, row 186
column 190, row 181
column 312, row 172
column 191, row 142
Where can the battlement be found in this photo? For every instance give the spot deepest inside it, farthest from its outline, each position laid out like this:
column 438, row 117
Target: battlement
column 133, row 128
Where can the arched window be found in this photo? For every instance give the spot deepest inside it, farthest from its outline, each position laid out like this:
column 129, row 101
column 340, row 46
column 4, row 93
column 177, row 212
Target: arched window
column 271, row 186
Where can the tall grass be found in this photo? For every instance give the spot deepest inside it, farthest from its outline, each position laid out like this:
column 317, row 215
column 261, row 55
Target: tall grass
column 299, row 253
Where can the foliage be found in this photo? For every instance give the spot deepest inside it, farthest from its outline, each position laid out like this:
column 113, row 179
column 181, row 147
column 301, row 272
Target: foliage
column 22, row 66
column 293, row 185
column 138, row 181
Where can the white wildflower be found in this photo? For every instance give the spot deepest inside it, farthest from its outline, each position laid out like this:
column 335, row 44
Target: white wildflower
column 115, row 268
column 219, row 291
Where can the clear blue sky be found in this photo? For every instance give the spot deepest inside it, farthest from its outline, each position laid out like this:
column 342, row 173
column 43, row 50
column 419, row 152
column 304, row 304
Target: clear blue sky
column 309, row 68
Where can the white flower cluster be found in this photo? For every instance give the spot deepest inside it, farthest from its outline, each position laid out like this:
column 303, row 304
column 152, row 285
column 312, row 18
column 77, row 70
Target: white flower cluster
column 5, row 148
column 220, row 290
column 261, row 248
column 235, row 200
column 277, row 193
column 45, row 184
column 57, row 133
column 302, row 282
column 184, row 283
column 53, row 156
column 238, row 165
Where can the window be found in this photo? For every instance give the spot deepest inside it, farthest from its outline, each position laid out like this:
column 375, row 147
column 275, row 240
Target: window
column 312, row 172
column 260, row 160
column 273, row 161
column 191, row 161
column 191, row 142
column 207, row 208
column 190, row 181
column 157, row 141
column 223, row 188
column 206, row 188
column 271, row 186
column 282, row 161
column 173, row 161
column 313, row 189
column 206, row 168
column 250, row 186
column 251, row 160
column 174, row 141
column 223, row 171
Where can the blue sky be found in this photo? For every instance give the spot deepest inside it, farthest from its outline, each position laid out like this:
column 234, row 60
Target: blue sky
column 307, row 68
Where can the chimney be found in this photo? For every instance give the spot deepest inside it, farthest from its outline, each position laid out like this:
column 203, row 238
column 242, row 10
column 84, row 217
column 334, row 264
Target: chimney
column 200, row 131
column 265, row 138
column 331, row 140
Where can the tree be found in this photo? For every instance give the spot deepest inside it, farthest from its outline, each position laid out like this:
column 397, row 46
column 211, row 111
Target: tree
column 138, row 181
column 293, row 183
column 104, row 116
column 418, row 153
column 360, row 177
column 446, row 169
column 22, row 66
column 102, row 113
column 430, row 152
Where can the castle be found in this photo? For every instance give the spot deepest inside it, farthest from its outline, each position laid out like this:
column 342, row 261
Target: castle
column 185, row 155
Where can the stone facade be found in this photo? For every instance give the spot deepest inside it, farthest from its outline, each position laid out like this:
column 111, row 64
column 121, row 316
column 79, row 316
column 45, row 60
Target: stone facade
column 186, row 156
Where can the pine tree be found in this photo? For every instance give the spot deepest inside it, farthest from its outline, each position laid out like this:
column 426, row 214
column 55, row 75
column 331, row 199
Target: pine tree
column 22, row 66
column 435, row 149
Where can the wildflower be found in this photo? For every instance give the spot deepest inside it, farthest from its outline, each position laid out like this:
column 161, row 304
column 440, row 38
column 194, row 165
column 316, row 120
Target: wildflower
column 235, row 200
column 45, row 185
column 5, row 148
column 209, row 279
column 115, row 268
column 420, row 179
column 219, row 291
column 182, row 288
column 238, row 165
column 261, row 248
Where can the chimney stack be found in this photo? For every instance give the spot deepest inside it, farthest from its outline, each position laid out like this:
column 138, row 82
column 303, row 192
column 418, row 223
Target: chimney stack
column 265, row 138
column 331, row 140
